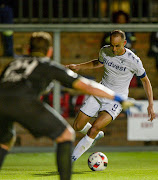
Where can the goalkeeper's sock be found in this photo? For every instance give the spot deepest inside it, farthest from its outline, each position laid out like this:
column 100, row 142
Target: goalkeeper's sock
column 64, row 151
column 86, row 128
column 84, row 144
column 3, row 153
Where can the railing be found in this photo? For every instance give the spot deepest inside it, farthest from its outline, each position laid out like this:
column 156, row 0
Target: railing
column 136, row 27
column 83, row 11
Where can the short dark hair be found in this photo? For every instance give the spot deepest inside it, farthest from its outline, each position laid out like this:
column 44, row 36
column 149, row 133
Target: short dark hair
column 115, row 16
column 116, row 33
column 40, row 42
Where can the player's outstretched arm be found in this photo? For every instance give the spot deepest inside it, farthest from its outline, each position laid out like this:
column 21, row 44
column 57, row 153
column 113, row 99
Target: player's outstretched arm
column 87, row 65
column 93, row 88
column 90, row 87
column 84, row 85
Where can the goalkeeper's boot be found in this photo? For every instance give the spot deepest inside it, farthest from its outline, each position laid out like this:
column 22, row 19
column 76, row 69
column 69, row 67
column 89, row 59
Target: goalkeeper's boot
column 99, row 136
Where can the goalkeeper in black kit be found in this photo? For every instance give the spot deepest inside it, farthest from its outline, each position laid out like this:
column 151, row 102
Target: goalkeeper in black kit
column 21, row 84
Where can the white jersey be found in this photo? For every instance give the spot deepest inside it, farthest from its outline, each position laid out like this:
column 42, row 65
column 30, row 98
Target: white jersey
column 119, row 70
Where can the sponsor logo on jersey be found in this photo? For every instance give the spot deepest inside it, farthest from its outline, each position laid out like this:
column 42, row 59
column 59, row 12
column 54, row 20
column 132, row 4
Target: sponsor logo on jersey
column 109, row 63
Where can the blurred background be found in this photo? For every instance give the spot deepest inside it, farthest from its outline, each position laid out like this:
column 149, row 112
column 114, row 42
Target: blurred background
column 79, row 29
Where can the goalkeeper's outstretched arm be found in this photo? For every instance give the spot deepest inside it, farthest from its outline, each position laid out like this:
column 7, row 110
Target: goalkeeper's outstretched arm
column 90, row 87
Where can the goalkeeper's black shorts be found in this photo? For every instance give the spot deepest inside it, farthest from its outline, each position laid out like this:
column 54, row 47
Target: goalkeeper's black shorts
column 40, row 119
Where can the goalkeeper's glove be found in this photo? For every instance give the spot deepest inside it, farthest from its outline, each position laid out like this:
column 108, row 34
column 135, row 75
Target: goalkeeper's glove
column 127, row 103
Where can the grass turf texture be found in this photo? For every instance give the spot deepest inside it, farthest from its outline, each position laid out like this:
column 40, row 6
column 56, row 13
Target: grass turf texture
column 121, row 166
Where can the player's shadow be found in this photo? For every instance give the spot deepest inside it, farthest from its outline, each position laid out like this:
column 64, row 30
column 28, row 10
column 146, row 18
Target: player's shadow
column 47, row 174
column 83, row 172
column 56, row 173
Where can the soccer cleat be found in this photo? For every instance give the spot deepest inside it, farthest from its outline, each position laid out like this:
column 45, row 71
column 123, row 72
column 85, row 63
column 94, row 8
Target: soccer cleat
column 99, row 136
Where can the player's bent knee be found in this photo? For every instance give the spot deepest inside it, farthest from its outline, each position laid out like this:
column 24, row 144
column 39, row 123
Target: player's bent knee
column 67, row 135
column 93, row 132
column 77, row 126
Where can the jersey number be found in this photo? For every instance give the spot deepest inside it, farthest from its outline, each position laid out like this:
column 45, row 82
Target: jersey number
column 115, row 107
column 19, row 69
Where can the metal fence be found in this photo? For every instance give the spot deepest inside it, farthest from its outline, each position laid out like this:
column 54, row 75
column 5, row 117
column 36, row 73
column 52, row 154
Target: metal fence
column 83, row 11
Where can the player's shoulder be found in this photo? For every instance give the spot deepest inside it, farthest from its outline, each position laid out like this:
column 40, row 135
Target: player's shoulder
column 23, row 58
column 44, row 60
column 106, row 50
column 131, row 56
column 32, row 59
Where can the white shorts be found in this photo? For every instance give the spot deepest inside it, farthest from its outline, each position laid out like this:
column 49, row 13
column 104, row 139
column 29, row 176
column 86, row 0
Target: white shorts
column 92, row 106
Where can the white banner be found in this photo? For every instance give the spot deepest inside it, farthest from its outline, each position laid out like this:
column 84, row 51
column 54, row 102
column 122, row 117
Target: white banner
column 139, row 128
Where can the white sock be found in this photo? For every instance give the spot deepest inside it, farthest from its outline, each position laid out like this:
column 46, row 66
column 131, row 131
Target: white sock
column 97, row 134
column 83, row 145
column 86, row 128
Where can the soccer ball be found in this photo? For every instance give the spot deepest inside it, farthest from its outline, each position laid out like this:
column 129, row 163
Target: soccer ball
column 97, row 161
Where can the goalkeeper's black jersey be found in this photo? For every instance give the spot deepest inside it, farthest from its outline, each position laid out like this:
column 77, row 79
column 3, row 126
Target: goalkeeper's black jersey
column 33, row 75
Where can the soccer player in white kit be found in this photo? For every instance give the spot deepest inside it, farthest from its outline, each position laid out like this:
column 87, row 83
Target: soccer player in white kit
column 120, row 64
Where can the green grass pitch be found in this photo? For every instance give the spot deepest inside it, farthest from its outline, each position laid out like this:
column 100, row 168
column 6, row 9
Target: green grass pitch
column 121, row 166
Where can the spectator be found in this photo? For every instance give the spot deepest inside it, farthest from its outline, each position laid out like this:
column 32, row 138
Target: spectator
column 6, row 17
column 153, row 51
column 120, row 17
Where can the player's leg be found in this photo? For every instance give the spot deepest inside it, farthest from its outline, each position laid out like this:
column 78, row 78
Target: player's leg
column 64, row 152
column 7, row 138
column 87, row 111
column 102, row 121
column 45, row 121
column 5, row 148
column 85, row 143
column 113, row 108
column 108, row 110
column 64, row 139
column 81, row 123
